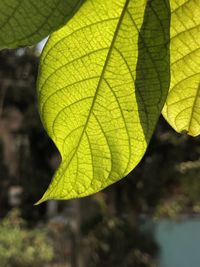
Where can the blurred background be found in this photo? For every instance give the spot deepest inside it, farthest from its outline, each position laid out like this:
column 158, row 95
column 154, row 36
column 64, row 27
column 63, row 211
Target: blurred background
column 149, row 219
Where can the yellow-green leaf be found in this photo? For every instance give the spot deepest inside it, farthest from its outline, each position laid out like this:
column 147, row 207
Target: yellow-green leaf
column 26, row 22
column 182, row 109
column 102, row 84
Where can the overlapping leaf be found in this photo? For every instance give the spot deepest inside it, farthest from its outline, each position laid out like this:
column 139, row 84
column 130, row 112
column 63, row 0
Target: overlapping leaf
column 182, row 109
column 26, row 22
column 102, row 84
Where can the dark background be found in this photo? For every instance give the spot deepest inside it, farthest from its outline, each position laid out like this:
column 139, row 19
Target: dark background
column 103, row 230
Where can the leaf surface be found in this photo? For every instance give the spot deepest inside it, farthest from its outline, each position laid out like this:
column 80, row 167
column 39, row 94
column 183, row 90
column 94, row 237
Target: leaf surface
column 26, row 22
column 101, row 88
column 182, row 109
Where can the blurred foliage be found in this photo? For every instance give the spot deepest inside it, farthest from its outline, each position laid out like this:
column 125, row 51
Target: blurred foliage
column 20, row 247
column 115, row 242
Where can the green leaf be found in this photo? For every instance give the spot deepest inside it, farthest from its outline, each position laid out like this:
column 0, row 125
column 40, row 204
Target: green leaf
column 182, row 109
column 102, row 84
column 26, row 22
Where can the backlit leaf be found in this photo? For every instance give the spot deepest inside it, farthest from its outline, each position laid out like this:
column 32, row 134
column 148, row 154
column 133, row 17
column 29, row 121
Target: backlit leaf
column 103, row 81
column 26, row 22
column 182, row 109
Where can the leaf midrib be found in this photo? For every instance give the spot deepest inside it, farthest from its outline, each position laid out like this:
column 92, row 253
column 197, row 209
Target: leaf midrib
column 101, row 77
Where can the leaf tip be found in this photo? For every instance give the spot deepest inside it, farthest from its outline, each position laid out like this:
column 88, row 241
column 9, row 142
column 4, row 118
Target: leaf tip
column 43, row 199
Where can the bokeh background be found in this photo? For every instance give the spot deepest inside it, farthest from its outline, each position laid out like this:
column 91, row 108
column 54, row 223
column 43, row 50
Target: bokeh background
column 148, row 219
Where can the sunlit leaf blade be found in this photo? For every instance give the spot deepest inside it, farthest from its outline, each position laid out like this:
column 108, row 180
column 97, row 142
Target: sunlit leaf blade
column 26, row 22
column 182, row 109
column 102, row 85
